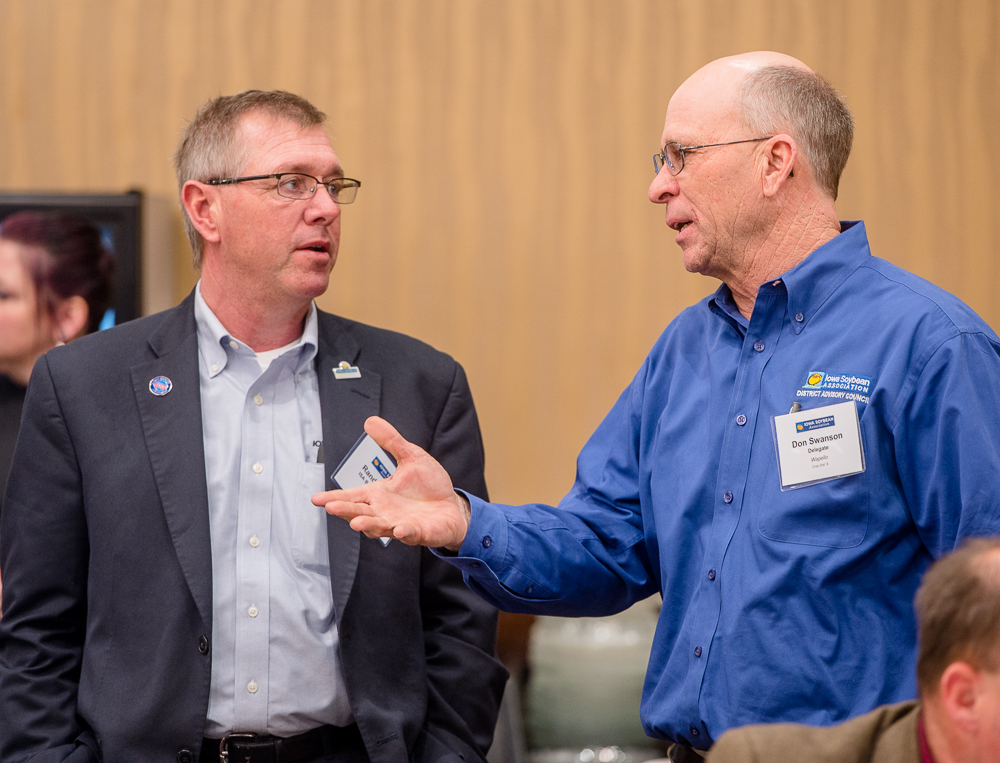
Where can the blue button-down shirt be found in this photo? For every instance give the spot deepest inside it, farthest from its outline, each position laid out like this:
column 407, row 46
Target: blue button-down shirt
column 275, row 667
column 777, row 606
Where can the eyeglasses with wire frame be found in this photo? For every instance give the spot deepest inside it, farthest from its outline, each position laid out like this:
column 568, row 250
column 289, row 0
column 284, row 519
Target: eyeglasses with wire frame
column 299, row 186
column 672, row 155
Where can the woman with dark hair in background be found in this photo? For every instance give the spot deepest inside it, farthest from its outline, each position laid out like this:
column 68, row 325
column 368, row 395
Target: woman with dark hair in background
column 55, row 285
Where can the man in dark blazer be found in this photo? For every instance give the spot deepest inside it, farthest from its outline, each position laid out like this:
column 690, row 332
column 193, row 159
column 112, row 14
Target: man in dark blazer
column 130, row 535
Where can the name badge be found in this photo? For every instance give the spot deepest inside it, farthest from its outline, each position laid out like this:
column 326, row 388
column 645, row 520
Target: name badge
column 366, row 462
column 818, row 444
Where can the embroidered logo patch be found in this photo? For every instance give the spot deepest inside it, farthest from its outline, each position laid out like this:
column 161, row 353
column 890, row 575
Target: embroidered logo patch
column 839, row 386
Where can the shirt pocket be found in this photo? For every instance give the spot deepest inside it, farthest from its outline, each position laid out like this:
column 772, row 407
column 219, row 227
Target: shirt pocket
column 833, row 514
column 310, row 545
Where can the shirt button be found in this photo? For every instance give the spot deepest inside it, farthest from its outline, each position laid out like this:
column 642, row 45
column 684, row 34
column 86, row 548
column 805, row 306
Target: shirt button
column 203, row 644
column 252, row 687
column 741, row 419
column 258, row 400
column 697, row 651
column 759, row 346
column 215, row 367
column 487, row 541
column 257, row 468
column 711, row 574
column 475, row 565
column 234, row 344
column 185, row 756
column 799, row 317
column 253, row 611
column 529, row 590
column 254, row 541
column 728, row 497
column 695, row 732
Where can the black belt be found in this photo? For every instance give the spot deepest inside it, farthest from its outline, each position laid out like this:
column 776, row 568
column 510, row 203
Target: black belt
column 264, row 748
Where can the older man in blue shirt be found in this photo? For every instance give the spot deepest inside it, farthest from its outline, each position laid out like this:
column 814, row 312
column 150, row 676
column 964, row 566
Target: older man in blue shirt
column 787, row 565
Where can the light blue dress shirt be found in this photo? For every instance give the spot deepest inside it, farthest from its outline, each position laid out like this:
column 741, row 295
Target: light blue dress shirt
column 275, row 662
column 777, row 605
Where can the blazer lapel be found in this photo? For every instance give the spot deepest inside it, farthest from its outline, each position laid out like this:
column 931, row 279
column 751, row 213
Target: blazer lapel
column 345, row 403
column 172, row 427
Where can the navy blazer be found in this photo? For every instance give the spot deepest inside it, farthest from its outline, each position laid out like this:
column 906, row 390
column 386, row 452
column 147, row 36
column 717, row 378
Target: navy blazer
column 106, row 558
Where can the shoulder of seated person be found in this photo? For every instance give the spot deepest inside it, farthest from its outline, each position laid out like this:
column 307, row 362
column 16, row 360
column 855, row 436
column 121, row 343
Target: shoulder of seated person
column 885, row 735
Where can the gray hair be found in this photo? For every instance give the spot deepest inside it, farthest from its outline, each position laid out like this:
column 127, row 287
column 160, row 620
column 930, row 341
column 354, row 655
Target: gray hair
column 801, row 103
column 212, row 145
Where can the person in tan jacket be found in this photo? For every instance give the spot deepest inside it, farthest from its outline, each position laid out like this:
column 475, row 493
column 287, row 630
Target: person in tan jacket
column 956, row 720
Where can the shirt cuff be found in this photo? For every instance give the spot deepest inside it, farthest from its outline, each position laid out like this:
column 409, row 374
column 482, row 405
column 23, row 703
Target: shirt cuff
column 485, row 543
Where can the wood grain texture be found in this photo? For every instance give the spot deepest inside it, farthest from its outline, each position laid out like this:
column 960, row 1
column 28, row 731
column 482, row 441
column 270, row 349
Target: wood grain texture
column 505, row 149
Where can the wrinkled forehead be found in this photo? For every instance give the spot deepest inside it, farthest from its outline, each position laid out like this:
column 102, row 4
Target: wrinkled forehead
column 706, row 107
column 282, row 145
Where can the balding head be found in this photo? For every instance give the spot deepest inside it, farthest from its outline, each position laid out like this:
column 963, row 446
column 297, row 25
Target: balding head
column 720, row 79
column 752, row 204
column 768, row 93
column 715, row 89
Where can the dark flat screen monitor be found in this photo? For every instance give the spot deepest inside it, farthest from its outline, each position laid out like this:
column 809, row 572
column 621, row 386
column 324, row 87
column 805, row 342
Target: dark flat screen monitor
column 119, row 217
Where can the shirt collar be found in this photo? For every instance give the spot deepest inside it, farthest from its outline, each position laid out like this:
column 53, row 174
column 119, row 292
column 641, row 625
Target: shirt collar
column 925, row 748
column 818, row 276
column 810, row 283
column 213, row 339
column 724, row 304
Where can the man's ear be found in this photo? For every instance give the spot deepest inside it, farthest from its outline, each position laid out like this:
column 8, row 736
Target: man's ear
column 779, row 155
column 201, row 202
column 959, row 689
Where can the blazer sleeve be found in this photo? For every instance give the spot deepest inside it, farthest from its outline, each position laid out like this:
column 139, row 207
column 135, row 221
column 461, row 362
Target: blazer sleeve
column 44, row 555
column 735, row 746
column 465, row 679
column 887, row 734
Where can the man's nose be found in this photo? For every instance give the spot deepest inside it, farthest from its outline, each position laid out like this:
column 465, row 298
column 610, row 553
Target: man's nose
column 664, row 186
column 321, row 208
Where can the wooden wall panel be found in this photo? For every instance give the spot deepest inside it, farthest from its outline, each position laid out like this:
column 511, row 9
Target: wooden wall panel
column 505, row 152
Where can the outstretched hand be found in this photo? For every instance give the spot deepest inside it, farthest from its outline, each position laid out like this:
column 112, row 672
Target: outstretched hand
column 417, row 505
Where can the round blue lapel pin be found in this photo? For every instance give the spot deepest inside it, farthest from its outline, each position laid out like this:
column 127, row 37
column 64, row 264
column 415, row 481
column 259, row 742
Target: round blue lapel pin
column 160, row 385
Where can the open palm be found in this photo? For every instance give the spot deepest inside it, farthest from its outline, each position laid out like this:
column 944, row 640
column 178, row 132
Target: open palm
column 417, row 505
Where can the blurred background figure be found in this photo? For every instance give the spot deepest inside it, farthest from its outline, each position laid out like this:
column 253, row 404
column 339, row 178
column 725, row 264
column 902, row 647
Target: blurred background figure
column 55, row 285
